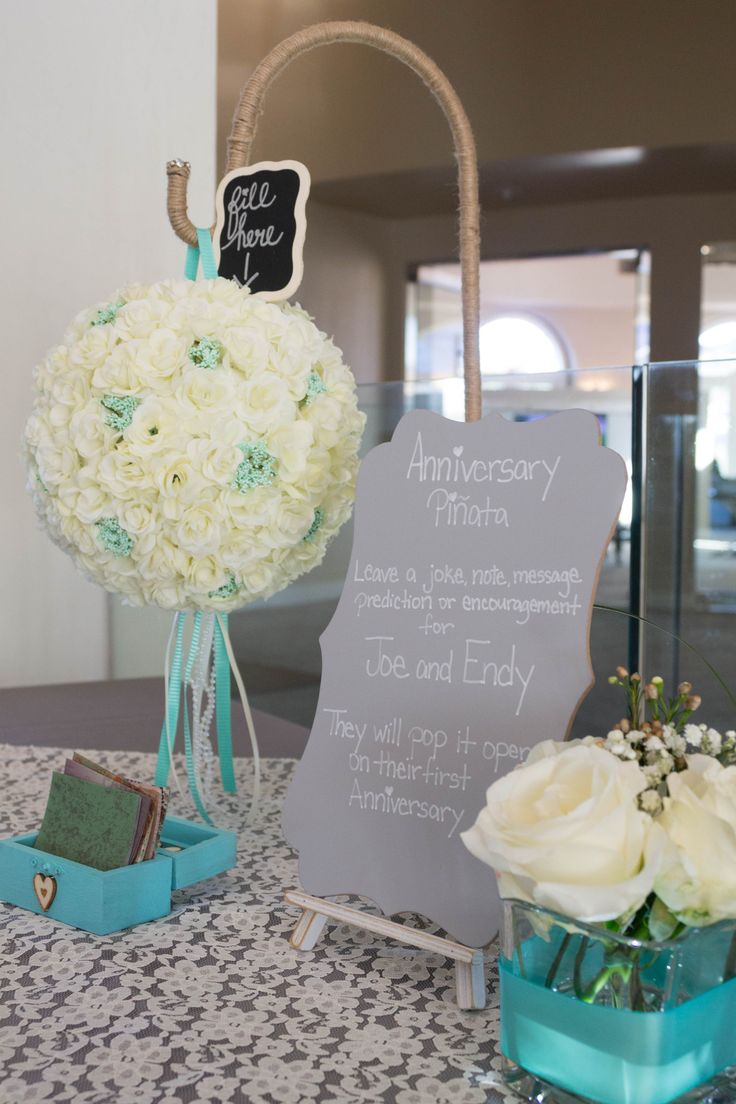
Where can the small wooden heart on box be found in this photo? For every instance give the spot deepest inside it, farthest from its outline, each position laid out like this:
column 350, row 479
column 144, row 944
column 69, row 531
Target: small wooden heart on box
column 44, row 886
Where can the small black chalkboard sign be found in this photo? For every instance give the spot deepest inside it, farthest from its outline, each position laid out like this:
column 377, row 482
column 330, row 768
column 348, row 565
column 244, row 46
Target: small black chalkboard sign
column 260, row 228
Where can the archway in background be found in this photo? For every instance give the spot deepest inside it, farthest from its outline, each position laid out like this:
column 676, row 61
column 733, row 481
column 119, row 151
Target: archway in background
column 520, row 344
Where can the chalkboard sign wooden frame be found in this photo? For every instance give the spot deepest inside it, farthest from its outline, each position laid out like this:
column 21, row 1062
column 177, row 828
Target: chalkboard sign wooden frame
column 262, row 251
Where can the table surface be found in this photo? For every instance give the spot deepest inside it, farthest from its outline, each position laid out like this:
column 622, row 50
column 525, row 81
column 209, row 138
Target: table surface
column 121, row 714
column 212, row 1003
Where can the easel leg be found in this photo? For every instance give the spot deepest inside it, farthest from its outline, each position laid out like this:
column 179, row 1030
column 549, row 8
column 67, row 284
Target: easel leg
column 470, row 983
column 308, row 930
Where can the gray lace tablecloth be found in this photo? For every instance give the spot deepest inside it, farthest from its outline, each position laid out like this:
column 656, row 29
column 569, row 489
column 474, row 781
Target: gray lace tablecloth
column 211, row 1003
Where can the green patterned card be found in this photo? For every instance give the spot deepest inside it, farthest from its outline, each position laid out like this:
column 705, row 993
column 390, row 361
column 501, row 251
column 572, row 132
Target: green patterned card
column 88, row 823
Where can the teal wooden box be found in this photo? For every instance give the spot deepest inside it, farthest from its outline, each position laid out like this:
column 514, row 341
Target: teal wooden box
column 104, row 901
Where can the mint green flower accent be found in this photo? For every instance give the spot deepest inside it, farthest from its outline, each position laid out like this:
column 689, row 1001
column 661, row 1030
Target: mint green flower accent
column 206, row 353
column 113, row 537
column 226, row 590
column 256, row 469
column 319, row 517
column 315, row 386
column 121, row 409
column 107, row 314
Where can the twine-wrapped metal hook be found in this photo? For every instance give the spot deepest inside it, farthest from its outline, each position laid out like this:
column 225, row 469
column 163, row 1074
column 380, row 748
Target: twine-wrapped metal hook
column 243, row 132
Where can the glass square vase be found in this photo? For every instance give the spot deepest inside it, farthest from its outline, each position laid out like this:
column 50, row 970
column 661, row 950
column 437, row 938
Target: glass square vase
column 590, row 1015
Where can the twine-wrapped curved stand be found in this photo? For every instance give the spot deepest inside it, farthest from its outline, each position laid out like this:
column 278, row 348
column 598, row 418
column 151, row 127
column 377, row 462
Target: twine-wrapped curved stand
column 243, row 131
column 470, row 981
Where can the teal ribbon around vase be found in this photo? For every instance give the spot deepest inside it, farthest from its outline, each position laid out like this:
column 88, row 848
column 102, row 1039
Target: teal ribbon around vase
column 613, row 1055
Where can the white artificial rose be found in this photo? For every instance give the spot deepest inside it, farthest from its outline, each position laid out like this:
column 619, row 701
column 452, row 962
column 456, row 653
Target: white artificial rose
column 217, row 462
column 292, row 350
column 79, row 535
column 246, row 512
column 131, row 292
column 139, row 318
column 165, row 561
column 163, row 354
column 564, row 831
column 290, row 444
column 292, row 522
column 227, row 292
column 698, row 881
column 137, row 518
column 59, row 416
column 93, row 348
column 178, row 482
column 92, row 503
column 199, row 530
column 89, row 431
column 264, row 402
column 203, row 389
column 258, row 579
column 203, row 574
column 37, row 431
column 327, row 418
column 316, row 476
column 249, row 348
column 70, row 389
column 228, row 429
column 120, row 372
column 153, row 427
column 56, row 464
column 123, row 475
column 198, row 316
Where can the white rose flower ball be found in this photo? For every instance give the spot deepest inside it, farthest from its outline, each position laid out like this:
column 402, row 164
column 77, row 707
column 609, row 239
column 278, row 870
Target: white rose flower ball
column 698, row 880
column 178, row 449
column 564, row 831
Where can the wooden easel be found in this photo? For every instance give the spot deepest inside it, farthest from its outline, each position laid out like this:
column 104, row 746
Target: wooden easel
column 470, row 981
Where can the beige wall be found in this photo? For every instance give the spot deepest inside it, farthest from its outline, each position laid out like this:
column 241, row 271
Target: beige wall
column 344, row 287
column 597, row 338
column 536, row 77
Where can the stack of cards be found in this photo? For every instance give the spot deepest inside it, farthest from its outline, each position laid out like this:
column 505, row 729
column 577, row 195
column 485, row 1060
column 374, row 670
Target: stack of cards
column 101, row 819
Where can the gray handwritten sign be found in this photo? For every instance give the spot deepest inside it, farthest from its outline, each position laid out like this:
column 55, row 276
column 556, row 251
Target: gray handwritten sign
column 460, row 641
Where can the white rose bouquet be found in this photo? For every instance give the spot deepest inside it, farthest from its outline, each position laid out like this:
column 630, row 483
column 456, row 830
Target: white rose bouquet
column 636, row 831
column 192, row 446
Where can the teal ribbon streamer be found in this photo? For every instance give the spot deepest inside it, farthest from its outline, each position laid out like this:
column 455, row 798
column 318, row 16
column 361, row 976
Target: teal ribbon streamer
column 223, row 710
column 191, row 265
column 188, row 750
column 178, row 679
column 163, row 764
column 202, row 251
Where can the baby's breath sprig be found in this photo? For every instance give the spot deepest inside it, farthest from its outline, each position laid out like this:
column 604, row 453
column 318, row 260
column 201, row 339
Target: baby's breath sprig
column 658, row 735
column 647, row 701
column 632, row 686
